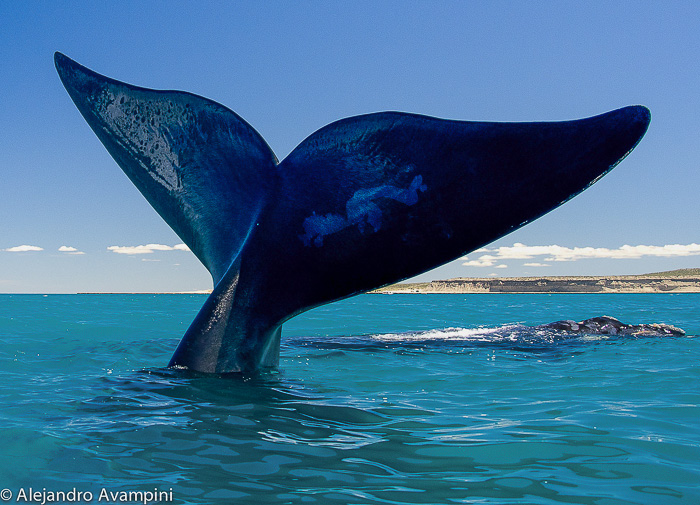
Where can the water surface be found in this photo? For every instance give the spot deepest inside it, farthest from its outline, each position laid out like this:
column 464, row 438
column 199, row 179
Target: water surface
column 378, row 399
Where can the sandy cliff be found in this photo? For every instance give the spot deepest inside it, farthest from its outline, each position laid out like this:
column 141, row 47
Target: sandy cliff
column 614, row 284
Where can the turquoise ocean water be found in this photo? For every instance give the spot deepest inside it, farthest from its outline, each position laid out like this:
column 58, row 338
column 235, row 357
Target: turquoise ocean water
column 426, row 399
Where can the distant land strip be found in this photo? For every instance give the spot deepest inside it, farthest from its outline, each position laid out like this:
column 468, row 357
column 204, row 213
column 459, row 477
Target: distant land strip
column 675, row 281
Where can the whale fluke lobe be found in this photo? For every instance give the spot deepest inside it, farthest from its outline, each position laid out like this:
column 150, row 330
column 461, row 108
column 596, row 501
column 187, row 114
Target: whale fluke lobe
column 205, row 170
column 363, row 202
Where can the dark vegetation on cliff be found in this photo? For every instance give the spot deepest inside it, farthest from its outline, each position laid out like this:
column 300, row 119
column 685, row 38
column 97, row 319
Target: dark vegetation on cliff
column 683, row 272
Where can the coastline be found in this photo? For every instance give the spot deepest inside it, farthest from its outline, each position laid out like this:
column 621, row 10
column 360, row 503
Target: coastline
column 675, row 281
column 650, row 283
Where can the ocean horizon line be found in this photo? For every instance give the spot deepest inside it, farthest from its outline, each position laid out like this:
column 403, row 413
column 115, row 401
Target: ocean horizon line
column 685, row 280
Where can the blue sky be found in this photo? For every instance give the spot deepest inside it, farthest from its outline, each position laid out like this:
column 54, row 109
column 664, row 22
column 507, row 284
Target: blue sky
column 289, row 68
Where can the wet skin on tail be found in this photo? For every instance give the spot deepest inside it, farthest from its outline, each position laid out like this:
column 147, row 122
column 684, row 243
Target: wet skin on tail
column 363, row 202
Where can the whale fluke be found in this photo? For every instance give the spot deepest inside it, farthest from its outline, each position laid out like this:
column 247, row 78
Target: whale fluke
column 363, row 202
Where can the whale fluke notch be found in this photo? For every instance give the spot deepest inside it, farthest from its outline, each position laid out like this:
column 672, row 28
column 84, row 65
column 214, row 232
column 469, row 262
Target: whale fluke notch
column 363, row 202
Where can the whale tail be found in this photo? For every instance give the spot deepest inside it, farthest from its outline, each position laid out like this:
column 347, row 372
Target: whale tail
column 363, row 202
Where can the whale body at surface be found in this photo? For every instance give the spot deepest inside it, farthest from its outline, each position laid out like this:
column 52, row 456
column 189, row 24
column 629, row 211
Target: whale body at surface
column 363, row 202
column 606, row 325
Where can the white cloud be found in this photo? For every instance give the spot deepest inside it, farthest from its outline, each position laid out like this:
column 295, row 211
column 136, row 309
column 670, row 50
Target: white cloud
column 559, row 253
column 501, row 266
column 476, row 251
column 24, row 248
column 69, row 250
column 486, row 260
column 159, row 247
column 146, row 249
column 536, row 265
column 130, row 249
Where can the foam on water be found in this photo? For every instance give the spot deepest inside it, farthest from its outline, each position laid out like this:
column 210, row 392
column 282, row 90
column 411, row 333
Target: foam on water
column 452, row 334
